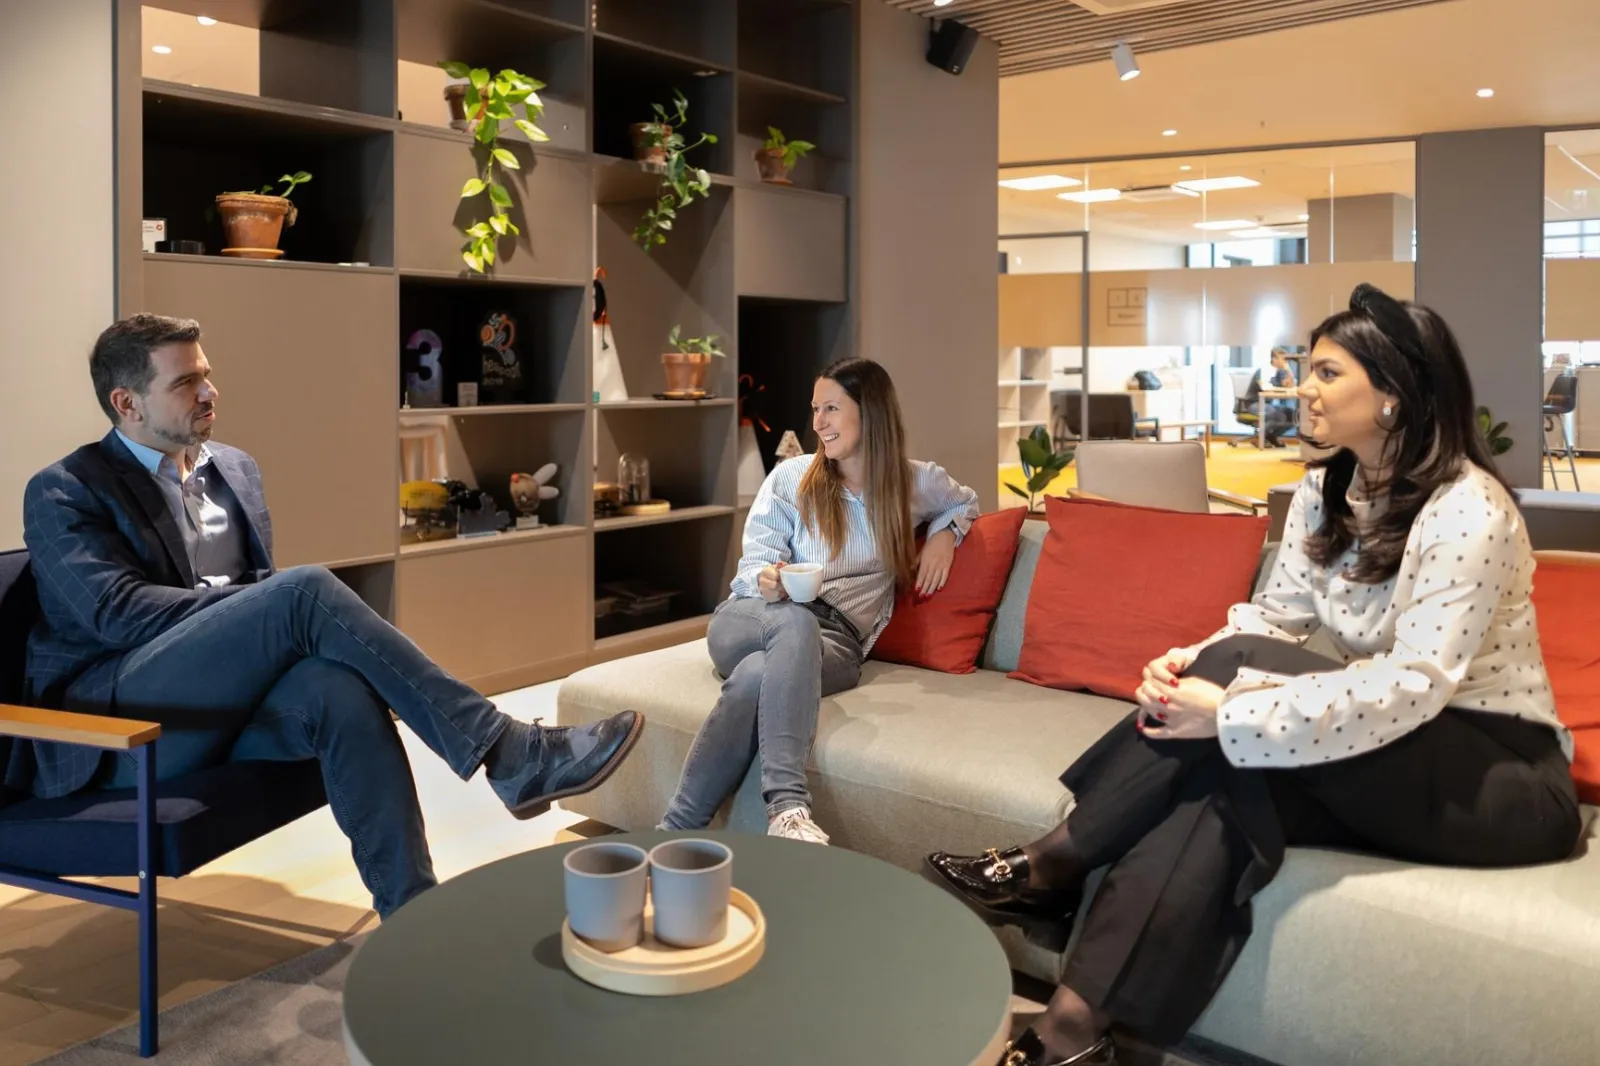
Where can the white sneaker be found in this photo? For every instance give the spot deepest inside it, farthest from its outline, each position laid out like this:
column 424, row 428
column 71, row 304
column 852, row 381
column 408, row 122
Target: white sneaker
column 796, row 824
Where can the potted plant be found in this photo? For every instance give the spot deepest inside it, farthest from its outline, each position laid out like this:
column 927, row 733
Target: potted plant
column 1493, row 433
column 687, row 362
column 680, row 183
column 778, row 156
column 1040, row 464
column 486, row 101
column 253, row 221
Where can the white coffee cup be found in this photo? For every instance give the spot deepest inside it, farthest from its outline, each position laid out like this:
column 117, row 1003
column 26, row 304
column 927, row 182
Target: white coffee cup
column 802, row 581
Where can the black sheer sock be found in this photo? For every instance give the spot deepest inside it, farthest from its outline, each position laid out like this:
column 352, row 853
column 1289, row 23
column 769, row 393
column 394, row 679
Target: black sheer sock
column 1053, row 860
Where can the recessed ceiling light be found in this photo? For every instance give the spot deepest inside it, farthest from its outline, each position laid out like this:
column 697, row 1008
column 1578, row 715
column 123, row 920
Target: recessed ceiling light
column 1169, row 133
column 1040, row 181
column 1186, row 168
column 1484, row 94
column 1231, row 223
column 205, row 20
column 1213, row 184
column 1091, row 196
column 160, row 49
column 942, row 3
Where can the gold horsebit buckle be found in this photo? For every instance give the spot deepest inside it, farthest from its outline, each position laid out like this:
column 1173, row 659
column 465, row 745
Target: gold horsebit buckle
column 1001, row 868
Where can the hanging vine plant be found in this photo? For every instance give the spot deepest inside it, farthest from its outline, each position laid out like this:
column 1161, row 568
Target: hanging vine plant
column 489, row 99
column 680, row 183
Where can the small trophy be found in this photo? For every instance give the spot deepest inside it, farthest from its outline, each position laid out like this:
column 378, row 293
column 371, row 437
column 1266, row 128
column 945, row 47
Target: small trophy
column 528, row 491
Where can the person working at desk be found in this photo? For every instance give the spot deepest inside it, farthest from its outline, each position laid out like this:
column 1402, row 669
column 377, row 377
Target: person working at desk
column 1280, row 416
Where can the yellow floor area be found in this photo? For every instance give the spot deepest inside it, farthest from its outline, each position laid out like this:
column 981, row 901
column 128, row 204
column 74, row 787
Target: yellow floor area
column 1249, row 472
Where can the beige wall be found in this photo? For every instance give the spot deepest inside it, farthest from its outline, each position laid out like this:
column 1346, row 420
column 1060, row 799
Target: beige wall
column 57, row 221
column 925, row 260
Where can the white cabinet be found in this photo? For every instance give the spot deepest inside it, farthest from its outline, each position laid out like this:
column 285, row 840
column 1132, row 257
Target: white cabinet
column 1587, row 416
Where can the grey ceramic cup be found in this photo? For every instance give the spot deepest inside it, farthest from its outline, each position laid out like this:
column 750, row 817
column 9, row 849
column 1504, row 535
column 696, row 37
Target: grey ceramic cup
column 605, row 886
column 690, row 882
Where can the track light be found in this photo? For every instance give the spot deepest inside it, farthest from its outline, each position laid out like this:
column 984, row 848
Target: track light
column 1127, row 66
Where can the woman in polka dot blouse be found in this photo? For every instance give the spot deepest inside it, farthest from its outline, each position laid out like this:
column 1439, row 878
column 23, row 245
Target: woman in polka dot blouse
column 1429, row 733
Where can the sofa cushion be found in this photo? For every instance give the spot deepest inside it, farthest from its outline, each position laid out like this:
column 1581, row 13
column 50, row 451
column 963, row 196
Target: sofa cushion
column 1565, row 595
column 1005, row 639
column 946, row 631
column 1117, row 585
column 907, row 757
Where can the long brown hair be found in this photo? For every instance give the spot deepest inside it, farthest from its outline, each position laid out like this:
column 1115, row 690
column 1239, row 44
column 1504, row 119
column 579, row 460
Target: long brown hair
column 887, row 471
column 1409, row 352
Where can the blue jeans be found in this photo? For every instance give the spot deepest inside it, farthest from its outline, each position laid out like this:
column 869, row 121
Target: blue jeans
column 778, row 660
column 299, row 667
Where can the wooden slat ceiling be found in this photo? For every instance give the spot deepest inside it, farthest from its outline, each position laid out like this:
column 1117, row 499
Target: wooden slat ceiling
column 1037, row 35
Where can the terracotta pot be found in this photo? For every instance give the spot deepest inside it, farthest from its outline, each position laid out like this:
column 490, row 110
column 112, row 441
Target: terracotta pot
column 686, row 371
column 456, row 97
column 645, row 152
column 251, row 220
column 770, row 163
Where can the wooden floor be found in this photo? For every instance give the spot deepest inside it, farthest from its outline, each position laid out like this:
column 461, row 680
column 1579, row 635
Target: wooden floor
column 68, row 969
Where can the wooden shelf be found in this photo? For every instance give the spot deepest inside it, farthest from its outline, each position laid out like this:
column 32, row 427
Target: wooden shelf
column 677, row 514
column 656, row 636
column 1022, row 425
column 1022, row 383
column 654, row 404
column 462, row 544
column 762, row 85
column 493, row 409
column 663, row 59
column 473, row 31
column 229, row 262
column 210, row 111
column 462, row 277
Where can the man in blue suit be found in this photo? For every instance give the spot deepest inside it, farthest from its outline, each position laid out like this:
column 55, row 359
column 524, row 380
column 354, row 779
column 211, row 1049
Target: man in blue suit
column 152, row 550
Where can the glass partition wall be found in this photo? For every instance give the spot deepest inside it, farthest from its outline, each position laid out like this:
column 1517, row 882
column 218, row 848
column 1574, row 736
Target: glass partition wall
column 1199, row 267
column 1570, row 361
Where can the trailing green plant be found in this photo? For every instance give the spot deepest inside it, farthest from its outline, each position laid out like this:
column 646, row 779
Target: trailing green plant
column 299, row 177
column 1040, row 463
column 490, row 99
column 680, row 183
column 694, row 345
column 793, row 151
column 1493, row 433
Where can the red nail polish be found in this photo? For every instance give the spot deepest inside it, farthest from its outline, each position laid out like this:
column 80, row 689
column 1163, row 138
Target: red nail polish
column 1165, row 700
column 1160, row 717
column 1172, row 668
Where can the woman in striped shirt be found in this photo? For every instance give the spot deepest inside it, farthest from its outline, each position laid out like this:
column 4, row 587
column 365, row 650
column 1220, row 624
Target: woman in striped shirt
column 850, row 509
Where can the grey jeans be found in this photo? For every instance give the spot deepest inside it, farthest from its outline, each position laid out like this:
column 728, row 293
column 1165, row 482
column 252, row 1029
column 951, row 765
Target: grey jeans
column 777, row 661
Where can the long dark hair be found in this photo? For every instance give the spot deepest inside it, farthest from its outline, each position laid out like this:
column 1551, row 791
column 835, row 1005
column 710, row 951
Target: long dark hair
column 1409, row 352
column 887, row 473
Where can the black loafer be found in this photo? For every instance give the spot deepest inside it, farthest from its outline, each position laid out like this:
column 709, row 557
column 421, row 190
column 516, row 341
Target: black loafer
column 568, row 761
column 995, row 886
column 1028, row 1050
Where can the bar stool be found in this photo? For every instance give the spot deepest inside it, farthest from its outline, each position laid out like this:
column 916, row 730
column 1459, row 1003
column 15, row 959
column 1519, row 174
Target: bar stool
column 1561, row 400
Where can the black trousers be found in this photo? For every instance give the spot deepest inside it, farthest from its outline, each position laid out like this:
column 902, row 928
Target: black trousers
column 1190, row 838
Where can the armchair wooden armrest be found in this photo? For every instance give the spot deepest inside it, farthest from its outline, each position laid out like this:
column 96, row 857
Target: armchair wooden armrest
column 1233, row 499
column 1080, row 494
column 67, row 727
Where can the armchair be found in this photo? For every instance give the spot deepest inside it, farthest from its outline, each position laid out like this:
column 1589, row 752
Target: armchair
column 1167, row 474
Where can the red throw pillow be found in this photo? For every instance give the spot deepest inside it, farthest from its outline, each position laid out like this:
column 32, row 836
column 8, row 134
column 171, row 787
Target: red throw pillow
column 946, row 631
column 1118, row 585
column 1566, row 599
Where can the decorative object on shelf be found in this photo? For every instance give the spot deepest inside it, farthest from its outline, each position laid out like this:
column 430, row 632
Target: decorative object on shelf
column 686, row 364
column 648, row 507
column 1493, row 433
column 752, row 471
column 633, row 477
column 466, row 394
column 776, row 158
column 423, row 450
column 607, row 499
column 788, row 446
column 608, row 384
column 1040, row 463
column 487, row 100
column 171, row 247
column 649, row 138
column 679, row 182
column 253, row 221
column 639, row 597
column 477, row 514
column 455, row 98
column 423, row 361
column 425, row 512
column 501, row 380
column 528, row 491
column 155, row 231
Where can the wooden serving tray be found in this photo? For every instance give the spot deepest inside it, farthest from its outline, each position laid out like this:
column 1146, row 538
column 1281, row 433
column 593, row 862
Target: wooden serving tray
column 652, row 968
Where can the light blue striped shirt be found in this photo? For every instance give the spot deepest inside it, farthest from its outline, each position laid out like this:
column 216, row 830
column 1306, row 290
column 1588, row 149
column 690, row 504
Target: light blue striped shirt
column 855, row 581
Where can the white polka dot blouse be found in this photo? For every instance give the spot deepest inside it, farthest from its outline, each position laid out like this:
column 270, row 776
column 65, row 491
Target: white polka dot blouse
column 1454, row 628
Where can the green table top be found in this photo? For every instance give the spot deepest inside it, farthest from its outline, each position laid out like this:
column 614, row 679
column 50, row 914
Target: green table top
column 864, row 964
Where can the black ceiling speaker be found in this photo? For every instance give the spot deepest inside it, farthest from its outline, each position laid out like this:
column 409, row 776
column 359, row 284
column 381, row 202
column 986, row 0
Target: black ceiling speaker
column 950, row 45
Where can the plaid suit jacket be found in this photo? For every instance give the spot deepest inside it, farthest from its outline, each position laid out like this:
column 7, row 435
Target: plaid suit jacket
column 113, row 574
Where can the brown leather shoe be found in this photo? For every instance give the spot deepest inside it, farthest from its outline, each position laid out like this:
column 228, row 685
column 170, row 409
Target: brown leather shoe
column 1029, row 1050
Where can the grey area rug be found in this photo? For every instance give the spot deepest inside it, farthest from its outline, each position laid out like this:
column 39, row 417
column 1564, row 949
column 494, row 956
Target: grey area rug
column 286, row 1016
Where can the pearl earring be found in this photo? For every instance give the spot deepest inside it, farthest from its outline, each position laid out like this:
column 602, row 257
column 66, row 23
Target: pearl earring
column 1387, row 411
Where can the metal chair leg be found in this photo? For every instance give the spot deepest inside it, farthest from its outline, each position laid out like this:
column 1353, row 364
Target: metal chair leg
column 1572, row 462
column 148, row 1022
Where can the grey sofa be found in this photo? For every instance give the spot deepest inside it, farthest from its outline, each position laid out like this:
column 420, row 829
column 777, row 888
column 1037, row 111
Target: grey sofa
column 1355, row 959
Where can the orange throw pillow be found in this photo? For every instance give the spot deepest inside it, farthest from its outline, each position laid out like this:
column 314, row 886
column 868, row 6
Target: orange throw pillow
column 1566, row 599
column 1118, row 585
column 946, row 631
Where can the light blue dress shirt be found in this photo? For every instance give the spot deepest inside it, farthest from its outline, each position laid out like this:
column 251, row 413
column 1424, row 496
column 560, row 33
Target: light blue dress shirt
column 213, row 525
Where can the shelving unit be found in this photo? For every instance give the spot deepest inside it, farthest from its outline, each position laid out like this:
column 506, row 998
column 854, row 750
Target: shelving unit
column 1024, row 388
column 310, row 351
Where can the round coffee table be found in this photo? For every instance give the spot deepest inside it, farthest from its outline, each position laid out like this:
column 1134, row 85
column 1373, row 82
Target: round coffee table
column 865, row 964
